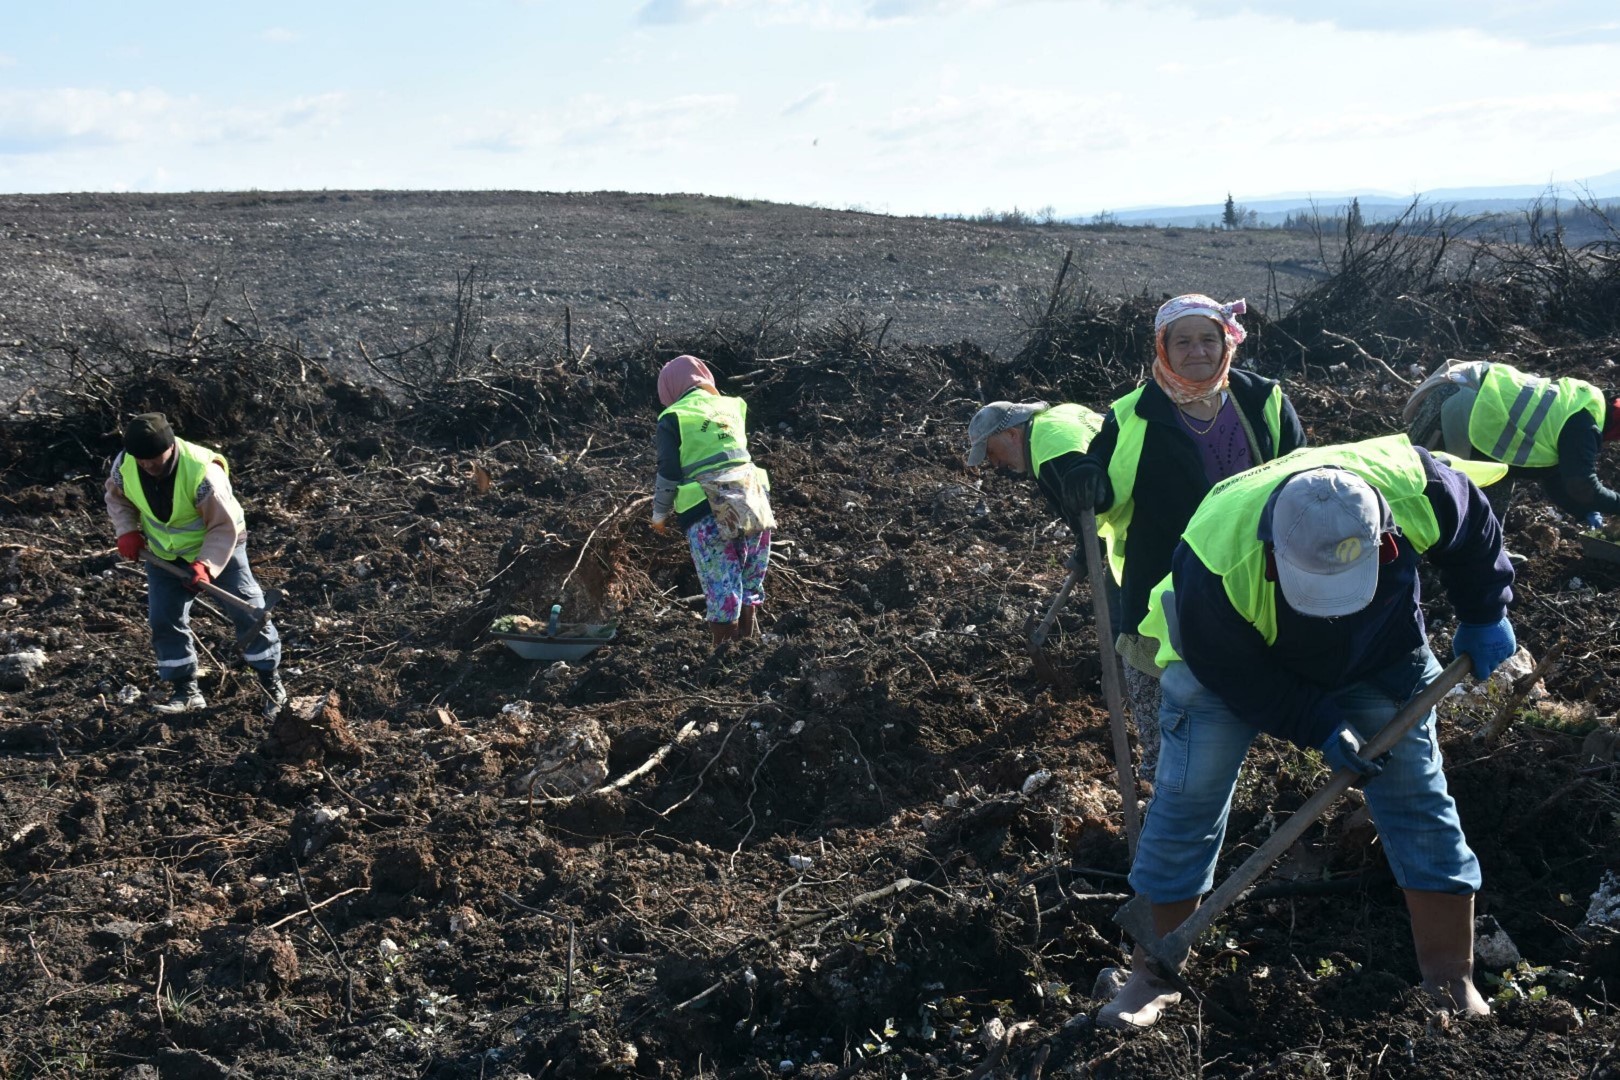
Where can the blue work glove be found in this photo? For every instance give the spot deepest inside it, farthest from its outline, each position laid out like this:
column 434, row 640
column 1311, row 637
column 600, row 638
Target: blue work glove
column 1487, row 644
column 1594, row 520
column 1343, row 751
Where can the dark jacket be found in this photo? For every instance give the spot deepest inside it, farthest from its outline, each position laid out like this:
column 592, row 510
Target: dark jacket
column 1573, row 485
column 1287, row 688
column 1170, row 480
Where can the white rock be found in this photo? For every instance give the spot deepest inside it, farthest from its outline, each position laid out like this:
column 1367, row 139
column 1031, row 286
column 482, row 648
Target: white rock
column 1109, row 981
column 1035, row 781
column 17, row 670
column 128, row 694
column 1604, row 907
column 800, row 862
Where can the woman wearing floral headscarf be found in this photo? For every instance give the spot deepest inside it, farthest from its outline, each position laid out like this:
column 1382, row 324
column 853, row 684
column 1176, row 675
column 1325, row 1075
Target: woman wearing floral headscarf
column 1161, row 448
column 708, row 481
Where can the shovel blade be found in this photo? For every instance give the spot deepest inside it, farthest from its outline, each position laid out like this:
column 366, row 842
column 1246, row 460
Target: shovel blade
column 1135, row 917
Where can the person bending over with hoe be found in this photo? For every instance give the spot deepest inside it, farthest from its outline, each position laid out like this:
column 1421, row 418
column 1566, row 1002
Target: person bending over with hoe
column 173, row 498
column 715, row 492
column 1035, row 439
column 1160, row 450
column 1550, row 430
column 1292, row 608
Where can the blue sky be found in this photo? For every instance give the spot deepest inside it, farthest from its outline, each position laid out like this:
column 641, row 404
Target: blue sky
column 904, row 106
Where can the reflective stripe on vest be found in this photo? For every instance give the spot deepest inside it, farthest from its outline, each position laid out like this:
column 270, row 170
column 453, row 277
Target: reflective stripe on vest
column 1224, row 533
column 1517, row 418
column 712, row 437
column 181, row 536
column 1115, row 525
column 1062, row 429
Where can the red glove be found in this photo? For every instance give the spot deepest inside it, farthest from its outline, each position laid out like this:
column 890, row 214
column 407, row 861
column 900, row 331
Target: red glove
column 199, row 577
column 130, row 545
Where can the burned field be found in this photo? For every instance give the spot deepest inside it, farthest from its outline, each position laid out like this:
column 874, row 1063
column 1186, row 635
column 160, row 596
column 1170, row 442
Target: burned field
column 869, row 843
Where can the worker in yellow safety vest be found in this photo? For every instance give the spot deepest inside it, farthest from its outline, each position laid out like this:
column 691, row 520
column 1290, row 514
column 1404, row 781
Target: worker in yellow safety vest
column 719, row 498
column 1162, row 447
column 1293, row 608
column 173, row 498
column 1545, row 429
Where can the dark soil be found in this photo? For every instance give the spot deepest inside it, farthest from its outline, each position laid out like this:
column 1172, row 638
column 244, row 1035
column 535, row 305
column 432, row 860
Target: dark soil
column 865, row 844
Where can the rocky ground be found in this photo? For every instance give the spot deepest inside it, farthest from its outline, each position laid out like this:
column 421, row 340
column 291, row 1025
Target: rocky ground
column 869, row 843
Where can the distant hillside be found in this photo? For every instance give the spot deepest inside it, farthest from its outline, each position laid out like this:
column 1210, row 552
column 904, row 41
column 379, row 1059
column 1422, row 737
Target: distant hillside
column 1509, row 200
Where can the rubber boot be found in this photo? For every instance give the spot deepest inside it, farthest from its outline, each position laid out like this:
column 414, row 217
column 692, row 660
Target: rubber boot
column 184, row 696
column 275, row 693
column 747, row 624
column 1145, row 996
column 1443, row 932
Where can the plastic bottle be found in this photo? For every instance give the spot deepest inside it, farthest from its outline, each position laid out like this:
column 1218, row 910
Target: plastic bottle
column 552, row 625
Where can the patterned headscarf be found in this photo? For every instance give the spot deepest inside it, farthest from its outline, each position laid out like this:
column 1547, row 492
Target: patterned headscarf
column 1187, row 391
column 680, row 375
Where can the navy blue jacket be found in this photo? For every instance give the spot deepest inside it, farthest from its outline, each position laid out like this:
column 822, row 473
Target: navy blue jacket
column 1287, row 689
column 1573, row 485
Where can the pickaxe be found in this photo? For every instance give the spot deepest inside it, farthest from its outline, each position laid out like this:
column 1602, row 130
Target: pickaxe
column 1169, row 953
column 260, row 614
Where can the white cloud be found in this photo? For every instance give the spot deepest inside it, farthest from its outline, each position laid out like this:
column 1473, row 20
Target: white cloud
column 1549, row 22
column 595, row 121
column 7, row 60
column 69, row 118
column 278, row 35
column 1480, row 118
column 675, row 12
column 804, row 102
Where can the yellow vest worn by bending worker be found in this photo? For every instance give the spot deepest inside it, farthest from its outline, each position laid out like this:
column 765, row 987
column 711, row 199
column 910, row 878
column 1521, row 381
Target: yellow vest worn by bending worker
column 1116, row 523
column 1224, row 532
column 1062, row 429
column 1517, row 418
column 712, row 437
column 181, row 536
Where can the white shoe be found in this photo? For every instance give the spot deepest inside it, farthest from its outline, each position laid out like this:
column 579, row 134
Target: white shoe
column 1139, row 1003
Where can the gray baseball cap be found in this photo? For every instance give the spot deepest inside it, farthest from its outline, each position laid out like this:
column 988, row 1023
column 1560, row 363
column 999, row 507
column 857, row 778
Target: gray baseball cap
column 1326, row 528
column 995, row 418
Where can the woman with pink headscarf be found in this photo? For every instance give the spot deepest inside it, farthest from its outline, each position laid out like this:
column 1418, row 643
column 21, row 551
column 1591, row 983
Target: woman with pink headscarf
column 709, row 483
column 1161, row 448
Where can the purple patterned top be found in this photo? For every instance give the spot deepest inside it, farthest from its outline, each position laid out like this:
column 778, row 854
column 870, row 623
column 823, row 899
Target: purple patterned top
column 1223, row 444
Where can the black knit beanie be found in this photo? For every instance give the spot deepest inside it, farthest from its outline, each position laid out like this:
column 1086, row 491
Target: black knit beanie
column 148, row 435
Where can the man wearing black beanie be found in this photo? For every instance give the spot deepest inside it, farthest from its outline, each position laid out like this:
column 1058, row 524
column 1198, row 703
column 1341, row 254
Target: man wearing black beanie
column 175, row 498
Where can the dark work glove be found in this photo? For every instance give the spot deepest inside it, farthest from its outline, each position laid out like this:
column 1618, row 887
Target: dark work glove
column 1487, row 644
column 199, row 577
column 1083, row 487
column 1343, row 751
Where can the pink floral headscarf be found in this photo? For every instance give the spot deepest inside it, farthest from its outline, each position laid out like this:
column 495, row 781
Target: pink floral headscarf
column 680, row 375
column 1186, row 391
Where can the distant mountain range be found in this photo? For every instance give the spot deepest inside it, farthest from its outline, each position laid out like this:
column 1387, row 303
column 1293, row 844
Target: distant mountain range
column 1375, row 205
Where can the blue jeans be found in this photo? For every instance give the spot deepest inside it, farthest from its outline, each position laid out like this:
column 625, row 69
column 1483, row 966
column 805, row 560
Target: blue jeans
column 168, row 610
column 1202, row 747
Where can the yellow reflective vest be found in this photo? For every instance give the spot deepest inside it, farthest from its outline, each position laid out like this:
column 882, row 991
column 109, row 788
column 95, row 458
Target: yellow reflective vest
column 181, row 536
column 1517, row 418
column 1114, row 526
column 712, row 437
column 1062, row 429
column 1225, row 531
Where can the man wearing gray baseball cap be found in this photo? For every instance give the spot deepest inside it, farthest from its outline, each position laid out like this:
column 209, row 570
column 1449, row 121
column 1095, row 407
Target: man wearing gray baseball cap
column 1293, row 608
column 1045, row 441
